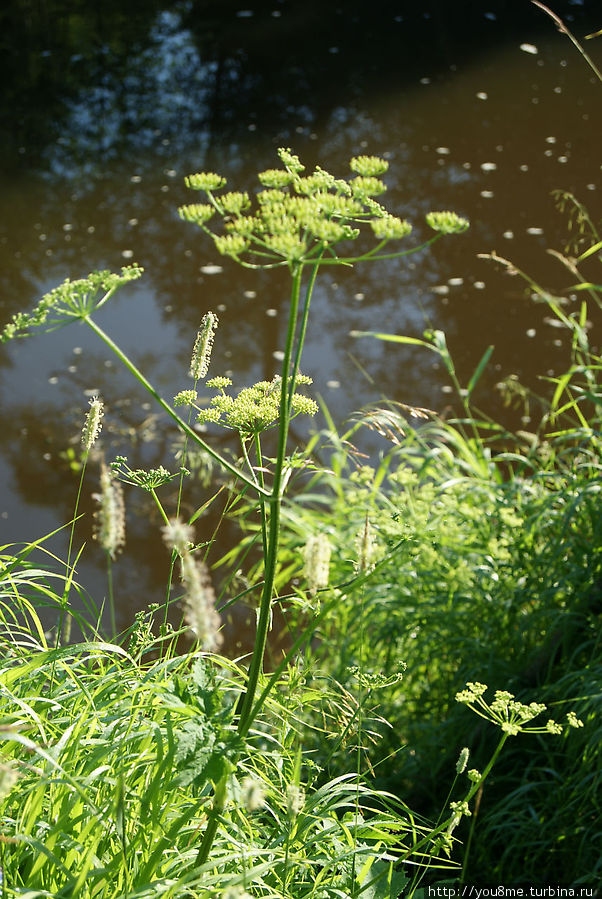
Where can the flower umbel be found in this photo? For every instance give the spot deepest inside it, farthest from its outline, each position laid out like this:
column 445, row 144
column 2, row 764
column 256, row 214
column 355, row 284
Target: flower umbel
column 301, row 218
column 70, row 301
column 507, row 712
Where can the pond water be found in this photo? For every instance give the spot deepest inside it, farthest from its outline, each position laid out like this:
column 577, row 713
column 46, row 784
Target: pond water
column 481, row 110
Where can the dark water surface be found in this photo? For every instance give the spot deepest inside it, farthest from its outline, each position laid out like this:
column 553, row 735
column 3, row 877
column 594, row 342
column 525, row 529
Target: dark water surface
column 479, row 108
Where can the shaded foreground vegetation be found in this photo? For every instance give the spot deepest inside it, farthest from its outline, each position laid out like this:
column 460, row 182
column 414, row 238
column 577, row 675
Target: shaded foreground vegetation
column 461, row 556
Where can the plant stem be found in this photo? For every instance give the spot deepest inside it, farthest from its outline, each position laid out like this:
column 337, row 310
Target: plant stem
column 219, row 802
column 256, row 665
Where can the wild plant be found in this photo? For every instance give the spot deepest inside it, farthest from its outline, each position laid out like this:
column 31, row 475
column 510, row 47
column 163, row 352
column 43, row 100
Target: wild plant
column 172, row 753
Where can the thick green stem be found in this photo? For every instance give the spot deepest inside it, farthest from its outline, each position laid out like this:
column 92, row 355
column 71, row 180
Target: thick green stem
column 303, row 329
column 265, row 609
column 219, row 802
column 164, row 405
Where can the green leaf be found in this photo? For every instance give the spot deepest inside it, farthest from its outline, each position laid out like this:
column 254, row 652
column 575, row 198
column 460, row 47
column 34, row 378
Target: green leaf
column 382, row 882
column 479, row 370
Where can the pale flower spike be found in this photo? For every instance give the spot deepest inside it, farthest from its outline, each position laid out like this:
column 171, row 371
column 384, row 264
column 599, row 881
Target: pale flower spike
column 201, row 354
column 93, row 424
column 462, row 760
column 316, row 554
column 110, row 516
column 199, row 603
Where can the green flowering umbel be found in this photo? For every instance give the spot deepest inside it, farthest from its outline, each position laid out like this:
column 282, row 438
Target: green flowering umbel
column 254, row 409
column 303, row 218
column 70, row 301
column 508, row 713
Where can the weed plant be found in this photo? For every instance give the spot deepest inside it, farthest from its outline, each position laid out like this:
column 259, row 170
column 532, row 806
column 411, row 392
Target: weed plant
column 130, row 770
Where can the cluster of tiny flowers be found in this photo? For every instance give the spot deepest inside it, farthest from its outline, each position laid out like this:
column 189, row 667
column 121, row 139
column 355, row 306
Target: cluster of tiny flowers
column 93, row 423
column 199, row 597
column 145, row 479
column 299, row 217
column 446, row 222
column 70, row 300
column 201, row 353
column 253, row 409
column 110, row 515
column 459, row 810
column 508, row 713
column 316, row 555
column 378, row 680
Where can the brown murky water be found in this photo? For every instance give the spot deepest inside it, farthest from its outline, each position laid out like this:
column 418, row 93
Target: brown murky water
column 485, row 116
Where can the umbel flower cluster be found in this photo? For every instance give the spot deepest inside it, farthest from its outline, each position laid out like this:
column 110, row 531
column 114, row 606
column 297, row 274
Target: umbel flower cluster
column 253, row 409
column 512, row 716
column 302, row 218
column 70, row 301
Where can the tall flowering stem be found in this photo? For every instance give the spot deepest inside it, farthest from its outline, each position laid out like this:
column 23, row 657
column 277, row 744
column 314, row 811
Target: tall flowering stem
column 275, row 504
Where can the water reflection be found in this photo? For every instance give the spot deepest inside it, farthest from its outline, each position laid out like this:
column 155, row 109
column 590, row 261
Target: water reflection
column 110, row 113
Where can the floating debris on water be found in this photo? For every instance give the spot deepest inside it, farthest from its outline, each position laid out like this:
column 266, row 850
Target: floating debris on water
column 211, row 269
column 529, row 48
